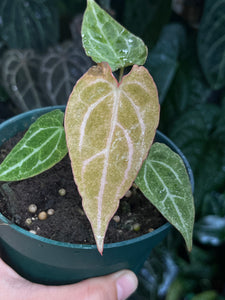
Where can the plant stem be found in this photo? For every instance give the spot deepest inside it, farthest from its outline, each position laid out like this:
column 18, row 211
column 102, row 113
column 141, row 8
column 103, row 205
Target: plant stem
column 121, row 74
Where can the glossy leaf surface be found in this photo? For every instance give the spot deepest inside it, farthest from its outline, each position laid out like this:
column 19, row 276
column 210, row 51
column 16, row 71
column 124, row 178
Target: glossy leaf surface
column 105, row 40
column 164, row 181
column 109, row 129
column 42, row 147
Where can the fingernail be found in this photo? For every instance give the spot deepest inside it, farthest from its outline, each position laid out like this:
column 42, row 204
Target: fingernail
column 126, row 284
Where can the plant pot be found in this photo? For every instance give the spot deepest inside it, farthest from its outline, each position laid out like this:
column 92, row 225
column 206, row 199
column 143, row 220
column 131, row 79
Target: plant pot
column 47, row 261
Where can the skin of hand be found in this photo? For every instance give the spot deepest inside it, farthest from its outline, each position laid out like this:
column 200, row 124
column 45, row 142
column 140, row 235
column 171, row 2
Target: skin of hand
column 117, row 286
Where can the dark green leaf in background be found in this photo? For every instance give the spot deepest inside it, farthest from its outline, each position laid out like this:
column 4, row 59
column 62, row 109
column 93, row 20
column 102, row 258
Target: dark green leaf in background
column 29, row 24
column 213, row 204
column 19, row 72
column 211, row 42
column 191, row 130
column 188, row 89
column 60, row 68
column 162, row 64
column 147, row 18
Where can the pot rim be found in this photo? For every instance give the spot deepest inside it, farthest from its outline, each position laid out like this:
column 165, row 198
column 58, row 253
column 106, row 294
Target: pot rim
column 4, row 221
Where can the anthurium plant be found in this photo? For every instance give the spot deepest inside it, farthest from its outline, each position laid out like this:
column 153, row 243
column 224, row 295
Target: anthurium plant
column 108, row 129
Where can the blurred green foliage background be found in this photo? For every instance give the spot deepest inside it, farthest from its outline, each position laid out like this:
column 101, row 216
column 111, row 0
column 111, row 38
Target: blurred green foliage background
column 41, row 58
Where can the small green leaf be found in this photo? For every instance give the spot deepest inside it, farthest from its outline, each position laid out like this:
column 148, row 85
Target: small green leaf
column 42, row 147
column 105, row 40
column 164, row 181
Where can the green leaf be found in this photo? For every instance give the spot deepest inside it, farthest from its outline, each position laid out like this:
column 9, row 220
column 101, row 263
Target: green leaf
column 211, row 43
column 162, row 61
column 105, row 40
column 164, row 181
column 29, row 24
column 188, row 88
column 42, row 147
column 60, row 68
column 213, row 204
column 207, row 295
column 19, row 70
column 190, row 132
column 155, row 13
column 109, row 129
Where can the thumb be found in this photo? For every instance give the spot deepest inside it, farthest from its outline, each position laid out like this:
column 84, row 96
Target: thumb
column 117, row 286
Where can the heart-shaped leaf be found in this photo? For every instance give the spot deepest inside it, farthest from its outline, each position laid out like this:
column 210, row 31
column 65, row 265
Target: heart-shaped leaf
column 109, row 129
column 42, row 147
column 19, row 70
column 60, row 68
column 105, row 40
column 164, row 181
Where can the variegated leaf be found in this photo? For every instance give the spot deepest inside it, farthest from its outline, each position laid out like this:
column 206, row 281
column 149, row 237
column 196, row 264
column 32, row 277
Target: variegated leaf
column 60, row 68
column 109, row 129
column 19, row 72
column 105, row 40
column 42, row 147
column 164, row 181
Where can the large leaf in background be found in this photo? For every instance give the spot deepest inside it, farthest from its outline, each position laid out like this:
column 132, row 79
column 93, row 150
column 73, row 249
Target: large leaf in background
column 19, row 72
column 188, row 89
column 29, row 24
column 211, row 42
column 164, row 181
column 42, row 147
column 190, row 131
column 60, row 68
column 155, row 13
column 210, row 230
column 210, row 171
column 162, row 61
column 105, row 40
column 109, row 130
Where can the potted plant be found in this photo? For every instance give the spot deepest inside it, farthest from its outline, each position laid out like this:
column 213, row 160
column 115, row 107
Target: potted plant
column 110, row 125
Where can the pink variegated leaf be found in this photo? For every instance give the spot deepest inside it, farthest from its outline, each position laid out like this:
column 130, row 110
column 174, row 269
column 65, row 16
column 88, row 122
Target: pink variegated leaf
column 110, row 127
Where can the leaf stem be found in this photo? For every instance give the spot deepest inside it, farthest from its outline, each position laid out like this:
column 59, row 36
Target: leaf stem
column 121, row 74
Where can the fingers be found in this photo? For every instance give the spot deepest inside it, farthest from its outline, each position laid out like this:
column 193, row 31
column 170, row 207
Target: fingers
column 117, row 286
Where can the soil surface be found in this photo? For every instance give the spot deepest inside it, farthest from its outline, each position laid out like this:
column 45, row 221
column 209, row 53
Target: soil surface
column 135, row 216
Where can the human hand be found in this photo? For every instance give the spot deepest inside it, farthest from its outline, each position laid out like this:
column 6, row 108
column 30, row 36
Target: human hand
column 117, row 286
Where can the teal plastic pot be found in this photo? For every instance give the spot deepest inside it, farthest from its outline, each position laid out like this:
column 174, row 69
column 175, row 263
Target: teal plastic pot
column 47, row 261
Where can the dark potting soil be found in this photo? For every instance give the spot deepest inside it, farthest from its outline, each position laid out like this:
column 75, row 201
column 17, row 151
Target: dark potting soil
column 135, row 216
